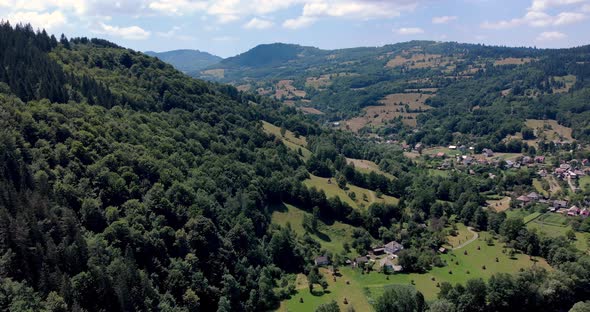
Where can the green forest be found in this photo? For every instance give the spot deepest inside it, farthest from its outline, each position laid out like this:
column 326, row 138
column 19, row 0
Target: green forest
column 126, row 185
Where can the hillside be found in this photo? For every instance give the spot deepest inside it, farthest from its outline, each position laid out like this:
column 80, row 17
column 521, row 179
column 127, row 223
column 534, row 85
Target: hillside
column 187, row 61
column 477, row 91
column 126, row 185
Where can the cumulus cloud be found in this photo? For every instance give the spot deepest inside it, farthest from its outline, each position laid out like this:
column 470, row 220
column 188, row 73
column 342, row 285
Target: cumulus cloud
column 409, row 31
column 130, row 32
column 551, row 35
column 177, row 7
column 443, row 19
column 299, row 22
column 38, row 20
column 257, row 23
column 536, row 16
column 173, row 33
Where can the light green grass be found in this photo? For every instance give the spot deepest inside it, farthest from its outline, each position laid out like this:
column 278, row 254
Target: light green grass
column 554, row 225
column 439, row 173
column 292, row 142
column 330, row 237
column 516, row 213
column 463, row 235
column 539, row 188
column 332, row 189
column 585, row 183
column 365, row 288
column 366, row 166
column 531, row 217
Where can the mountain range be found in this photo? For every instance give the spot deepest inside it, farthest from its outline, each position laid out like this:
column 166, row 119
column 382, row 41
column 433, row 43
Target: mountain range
column 187, row 61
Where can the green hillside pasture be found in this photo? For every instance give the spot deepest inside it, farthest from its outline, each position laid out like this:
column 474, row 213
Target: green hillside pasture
column 363, row 289
column 332, row 189
column 331, row 237
column 290, row 140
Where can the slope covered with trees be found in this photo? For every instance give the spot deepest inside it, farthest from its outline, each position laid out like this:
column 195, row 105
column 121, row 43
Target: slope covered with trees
column 187, row 61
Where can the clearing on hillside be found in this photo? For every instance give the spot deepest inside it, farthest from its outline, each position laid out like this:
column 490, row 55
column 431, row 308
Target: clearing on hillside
column 310, row 110
column 568, row 82
column 217, row 73
column 290, row 139
column 331, row 237
column 405, row 105
column 420, row 60
column 550, row 130
column 500, row 204
column 512, row 61
column 367, row 166
column 362, row 197
column 284, row 89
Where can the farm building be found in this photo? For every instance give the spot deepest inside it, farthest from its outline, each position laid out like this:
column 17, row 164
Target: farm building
column 321, row 261
column 393, row 247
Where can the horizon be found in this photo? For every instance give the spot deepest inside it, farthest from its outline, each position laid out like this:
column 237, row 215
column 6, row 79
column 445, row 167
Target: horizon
column 379, row 46
column 229, row 27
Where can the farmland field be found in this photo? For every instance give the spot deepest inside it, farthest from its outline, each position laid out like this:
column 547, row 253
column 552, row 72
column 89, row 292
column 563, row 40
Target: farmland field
column 585, row 183
column 499, row 205
column 405, row 105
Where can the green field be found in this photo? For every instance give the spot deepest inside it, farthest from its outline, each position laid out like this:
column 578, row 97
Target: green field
column 539, row 188
column 463, row 235
column 292, row 142
column 585, row 183
column 531, row 217
column 553, row 224
column 371, row 285
column 330, row 237
column 332, row 189
column 366, row 166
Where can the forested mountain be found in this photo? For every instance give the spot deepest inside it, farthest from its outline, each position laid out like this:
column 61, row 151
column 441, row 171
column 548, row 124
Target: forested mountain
column 482, row 92
column 126, row 185
column 187, row 61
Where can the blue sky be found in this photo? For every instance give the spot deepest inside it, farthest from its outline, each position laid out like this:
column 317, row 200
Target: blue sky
column 229, row 27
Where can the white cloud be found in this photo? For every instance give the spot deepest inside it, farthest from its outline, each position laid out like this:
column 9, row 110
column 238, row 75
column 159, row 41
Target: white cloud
column 536, row 16
column 257, row 23
column 409, row 31
column 38, row 20
column 173, row 34
column 177, row 7
column 540, row 5
column 299, row 22
column 443, row 19
column 586, row 8
column 130, row 33
column 551, row 35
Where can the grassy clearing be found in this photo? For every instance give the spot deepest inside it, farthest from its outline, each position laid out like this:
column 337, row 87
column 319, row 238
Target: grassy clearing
column 553, row 225
column 337, row 290
column 367, row 166
column 331, row 237
column 439, row 173
column 332, row 189
column 499, row 205
column 585, row 183
column 290, row 140
column 539, row 188
column 531, row 217
column 463, row 235
column 365, row 288
column 549, row 129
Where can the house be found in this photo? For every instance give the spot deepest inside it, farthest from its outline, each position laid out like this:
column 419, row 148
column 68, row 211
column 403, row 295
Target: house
column 573, row 211
column 418, row 147
column 523, row 199
column 321, row 261
column 393, row 247
column 336, row 124
column 442, row 250
column 509, row 164
column 559, row 203
column 540, row 159
column 527, row 160
column 542, row 173
column 462, row 148
column 452, row 147
column 440, row 155
column 585, row 212
column 561, row 210
column 586, row 162
column 397, row 268
column 378, row 251
column 565, row 166
column 533, row 196
column 488, row 152
column 360, row 261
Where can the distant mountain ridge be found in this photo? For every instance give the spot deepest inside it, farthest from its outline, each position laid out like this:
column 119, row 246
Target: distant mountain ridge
column 187, row 60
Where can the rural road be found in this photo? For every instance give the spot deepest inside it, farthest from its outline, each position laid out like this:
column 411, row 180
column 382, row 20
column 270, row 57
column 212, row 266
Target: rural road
column 471, row 240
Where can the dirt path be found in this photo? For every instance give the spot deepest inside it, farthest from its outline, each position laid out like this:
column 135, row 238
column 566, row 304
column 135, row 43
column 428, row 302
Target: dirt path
column 471, row 240
column 572, row 186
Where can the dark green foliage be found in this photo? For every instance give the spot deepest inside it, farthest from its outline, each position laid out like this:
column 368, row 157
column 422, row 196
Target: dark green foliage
column 400, row 299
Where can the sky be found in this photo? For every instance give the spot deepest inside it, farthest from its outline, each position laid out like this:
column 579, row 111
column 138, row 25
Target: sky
column 230, row 27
